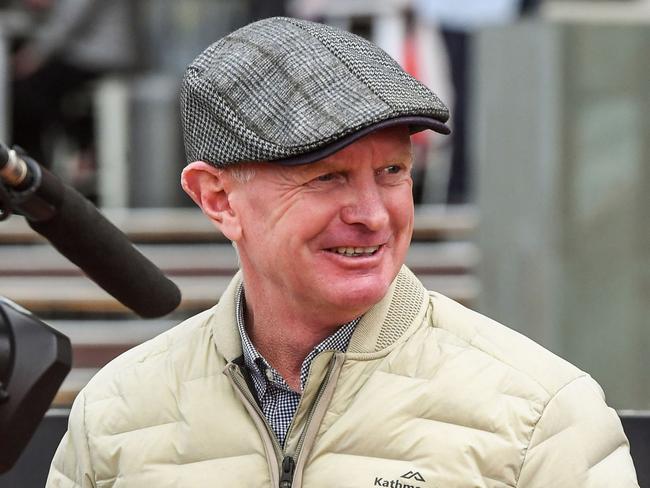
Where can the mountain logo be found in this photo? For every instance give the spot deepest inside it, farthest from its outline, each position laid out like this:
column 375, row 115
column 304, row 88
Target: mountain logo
column 413, row 475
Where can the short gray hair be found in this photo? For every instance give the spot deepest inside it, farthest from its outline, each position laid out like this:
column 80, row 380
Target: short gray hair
column 242, row 172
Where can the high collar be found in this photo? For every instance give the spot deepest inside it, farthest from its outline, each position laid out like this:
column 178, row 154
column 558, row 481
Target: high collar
column 402, row 308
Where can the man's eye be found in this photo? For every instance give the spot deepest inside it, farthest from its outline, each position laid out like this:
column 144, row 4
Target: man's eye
column 393, row 169
column 326, row 177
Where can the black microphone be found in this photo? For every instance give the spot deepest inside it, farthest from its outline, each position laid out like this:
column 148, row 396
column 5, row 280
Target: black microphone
column 77, row 230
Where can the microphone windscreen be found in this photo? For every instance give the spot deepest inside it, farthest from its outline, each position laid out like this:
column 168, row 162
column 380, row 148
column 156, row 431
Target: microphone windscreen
column 83, row 235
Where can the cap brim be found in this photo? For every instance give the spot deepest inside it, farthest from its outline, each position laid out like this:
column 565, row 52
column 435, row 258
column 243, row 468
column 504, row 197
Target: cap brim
column 416, row 123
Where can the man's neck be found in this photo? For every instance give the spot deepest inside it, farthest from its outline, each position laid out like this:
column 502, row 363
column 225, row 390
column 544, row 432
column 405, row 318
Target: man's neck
column 284, row 332
column 284, row 339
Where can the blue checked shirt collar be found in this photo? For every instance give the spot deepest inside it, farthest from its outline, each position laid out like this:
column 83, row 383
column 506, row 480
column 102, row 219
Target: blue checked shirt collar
column 277, row 400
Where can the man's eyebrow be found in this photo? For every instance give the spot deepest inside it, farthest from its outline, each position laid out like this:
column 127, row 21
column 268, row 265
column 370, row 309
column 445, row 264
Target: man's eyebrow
column 402, row 157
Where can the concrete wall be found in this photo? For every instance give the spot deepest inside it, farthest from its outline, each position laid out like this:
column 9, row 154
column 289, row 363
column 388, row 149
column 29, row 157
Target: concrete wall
column 562, row 137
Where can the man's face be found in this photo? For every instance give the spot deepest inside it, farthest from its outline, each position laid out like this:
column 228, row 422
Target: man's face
column 330, row 235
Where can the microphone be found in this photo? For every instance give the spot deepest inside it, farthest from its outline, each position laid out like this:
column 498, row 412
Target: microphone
column 82, row 234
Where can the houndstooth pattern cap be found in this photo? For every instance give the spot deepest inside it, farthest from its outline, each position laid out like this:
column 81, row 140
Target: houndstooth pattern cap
column 292, row 92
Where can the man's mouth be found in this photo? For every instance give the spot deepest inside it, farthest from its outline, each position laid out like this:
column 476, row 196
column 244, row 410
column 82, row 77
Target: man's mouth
column 355, row 251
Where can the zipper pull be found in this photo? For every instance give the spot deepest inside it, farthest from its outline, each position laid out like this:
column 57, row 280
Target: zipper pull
column 288, row 467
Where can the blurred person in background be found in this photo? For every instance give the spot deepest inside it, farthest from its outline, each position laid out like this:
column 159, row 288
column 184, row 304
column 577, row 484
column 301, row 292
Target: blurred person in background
column 457, row 20
column 74, row 42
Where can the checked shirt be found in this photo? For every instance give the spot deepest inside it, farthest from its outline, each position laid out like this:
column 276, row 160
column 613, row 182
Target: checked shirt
column 277, row 401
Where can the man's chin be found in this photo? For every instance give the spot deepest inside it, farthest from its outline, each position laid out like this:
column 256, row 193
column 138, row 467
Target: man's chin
column 359, row 294
column 354, row 287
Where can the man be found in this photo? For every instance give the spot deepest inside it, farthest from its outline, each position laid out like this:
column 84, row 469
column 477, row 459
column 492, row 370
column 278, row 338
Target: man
column 326, row 363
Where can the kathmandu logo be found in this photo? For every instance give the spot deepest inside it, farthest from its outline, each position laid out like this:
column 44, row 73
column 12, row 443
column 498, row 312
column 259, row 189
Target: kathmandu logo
column 411, row 475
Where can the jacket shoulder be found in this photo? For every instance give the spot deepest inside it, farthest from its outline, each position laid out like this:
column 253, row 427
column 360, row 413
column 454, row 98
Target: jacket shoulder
column 171, row 347
column 572, row 419
column 142, row 398
column 503, row 344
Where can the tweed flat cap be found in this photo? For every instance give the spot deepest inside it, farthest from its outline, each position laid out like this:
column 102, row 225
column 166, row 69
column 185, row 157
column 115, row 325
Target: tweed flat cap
column 291, row 91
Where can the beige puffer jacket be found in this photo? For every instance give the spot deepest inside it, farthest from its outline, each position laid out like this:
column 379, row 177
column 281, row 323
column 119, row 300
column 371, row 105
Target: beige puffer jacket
column 428, row 395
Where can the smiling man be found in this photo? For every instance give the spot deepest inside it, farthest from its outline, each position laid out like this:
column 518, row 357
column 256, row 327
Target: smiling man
column 326, row 363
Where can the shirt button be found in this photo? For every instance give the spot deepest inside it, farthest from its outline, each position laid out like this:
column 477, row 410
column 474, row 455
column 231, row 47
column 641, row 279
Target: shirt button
column 269, row 374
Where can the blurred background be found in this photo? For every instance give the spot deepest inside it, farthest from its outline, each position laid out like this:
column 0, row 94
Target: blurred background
column 535, row 212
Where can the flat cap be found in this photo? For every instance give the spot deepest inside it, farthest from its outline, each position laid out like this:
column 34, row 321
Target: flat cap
column 292, row 91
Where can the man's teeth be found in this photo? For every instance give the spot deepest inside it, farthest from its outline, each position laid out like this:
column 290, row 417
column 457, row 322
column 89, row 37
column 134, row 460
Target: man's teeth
column 356, row 251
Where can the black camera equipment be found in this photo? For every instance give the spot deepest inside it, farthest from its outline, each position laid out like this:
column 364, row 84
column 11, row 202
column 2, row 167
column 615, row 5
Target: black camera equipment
column 34, row 361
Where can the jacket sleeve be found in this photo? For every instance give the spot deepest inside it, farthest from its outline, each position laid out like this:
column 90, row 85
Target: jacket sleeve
column 72, row 466
column 578, row 442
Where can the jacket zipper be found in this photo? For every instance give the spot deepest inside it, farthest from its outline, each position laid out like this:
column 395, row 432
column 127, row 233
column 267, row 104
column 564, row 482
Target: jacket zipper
column 268, row 437
column 288, row 468
column 288, row 463
column 312, row 410
column 325, row 387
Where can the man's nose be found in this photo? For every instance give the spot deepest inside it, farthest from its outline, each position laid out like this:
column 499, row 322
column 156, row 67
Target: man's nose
column 365, row 205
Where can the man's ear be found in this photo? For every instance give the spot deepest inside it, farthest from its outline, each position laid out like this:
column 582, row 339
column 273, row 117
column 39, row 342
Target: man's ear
column 209, row 187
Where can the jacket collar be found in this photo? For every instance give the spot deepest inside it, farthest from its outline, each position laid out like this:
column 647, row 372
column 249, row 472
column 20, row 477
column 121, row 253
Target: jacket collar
column 224, row 321
column 401, row 309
